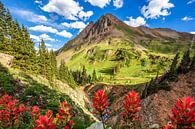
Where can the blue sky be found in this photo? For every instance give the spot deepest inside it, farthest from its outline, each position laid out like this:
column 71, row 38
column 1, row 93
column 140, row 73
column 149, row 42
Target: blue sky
column 58, row 21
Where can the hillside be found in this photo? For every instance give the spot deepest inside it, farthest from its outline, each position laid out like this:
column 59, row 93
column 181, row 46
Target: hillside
column 34, row 89
column 154, row 108
column 122, row 54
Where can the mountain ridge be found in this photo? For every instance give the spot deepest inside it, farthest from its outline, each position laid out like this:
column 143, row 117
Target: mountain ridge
column 108, row 26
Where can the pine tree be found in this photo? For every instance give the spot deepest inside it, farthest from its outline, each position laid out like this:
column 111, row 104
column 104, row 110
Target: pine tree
column 185, row 62
column 65, row 75
column 2, row 27
column 173, row 68
column 94, row 76
column 84, row 75
column 192, row 65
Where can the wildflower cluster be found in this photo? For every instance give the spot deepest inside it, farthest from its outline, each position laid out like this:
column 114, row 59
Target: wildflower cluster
column 100, row 103
column 131, row 106
column 12, row 115
column 183, row 114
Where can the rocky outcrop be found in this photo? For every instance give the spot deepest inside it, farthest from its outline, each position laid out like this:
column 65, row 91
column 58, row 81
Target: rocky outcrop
column 109, row 26
column 155, row 108
column 6, row 59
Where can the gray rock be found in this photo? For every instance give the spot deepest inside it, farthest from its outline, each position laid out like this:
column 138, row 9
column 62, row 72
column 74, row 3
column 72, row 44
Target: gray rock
column 97, row 125
column 155, row 126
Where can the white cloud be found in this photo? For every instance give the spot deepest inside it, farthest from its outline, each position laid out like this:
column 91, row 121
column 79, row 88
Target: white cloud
column 70, row 10
column 65, row 34
column 38, row 1
column 29, row 16
column 139, row 21
column 156, row 8
column 191, row 1
column 35, row 38
column 85, row 15
column 99, row 3
column 42, row 28
column 186, row 18
column 192, row 32
column 75, row 25
column 118, row 3
column 46, row 37
column 40, row 37
column 48, row 45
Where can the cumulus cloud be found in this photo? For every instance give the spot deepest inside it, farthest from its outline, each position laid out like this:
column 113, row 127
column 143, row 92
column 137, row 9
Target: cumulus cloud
column 85, row 15
column 46, row 37
column 192, row 32
column 118, row 3
column 40, row 37
column 42, row 28
column 186, row 18
column 191, row 1
column 139, row 21
column 156, row 8
column 65, row 34
column 70, row 10
column 99, row 3
column 75, row 25
column 29, row 16
column 38, row 2
column 47, row 29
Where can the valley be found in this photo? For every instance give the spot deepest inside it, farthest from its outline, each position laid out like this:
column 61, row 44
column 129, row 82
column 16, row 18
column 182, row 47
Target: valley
column 110, row 75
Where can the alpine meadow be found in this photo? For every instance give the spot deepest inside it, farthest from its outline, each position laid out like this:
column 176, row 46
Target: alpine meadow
column 97, row 64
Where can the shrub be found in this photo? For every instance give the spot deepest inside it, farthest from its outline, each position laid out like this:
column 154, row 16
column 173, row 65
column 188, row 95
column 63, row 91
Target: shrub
column 14, row 115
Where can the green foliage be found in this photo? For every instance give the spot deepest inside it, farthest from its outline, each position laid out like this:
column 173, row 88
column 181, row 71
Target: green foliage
column 65, row 75
column 6, row 81
column 173, row 68
column 185, row 62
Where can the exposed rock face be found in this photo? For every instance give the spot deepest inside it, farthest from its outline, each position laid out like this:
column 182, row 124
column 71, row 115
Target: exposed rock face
column 155, row 108
column 109, row 26
column 6, row 59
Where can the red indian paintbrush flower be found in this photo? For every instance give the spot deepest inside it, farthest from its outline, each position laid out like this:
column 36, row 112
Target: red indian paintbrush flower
column 131, row 105
column 183, row 114
column 35, row 112
column 100, row 101
column 168, row 126
column 44, row 122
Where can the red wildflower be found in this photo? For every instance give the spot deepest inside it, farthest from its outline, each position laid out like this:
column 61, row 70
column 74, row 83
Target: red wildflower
column 64, row 108
column 35, row 112
column 44, row 123
column 67, row 127
column 100, row 101
column 131, row 105
column 183, row 114
column 168, row 126
column 5, row 99
column 49, row 113
column 22, row 108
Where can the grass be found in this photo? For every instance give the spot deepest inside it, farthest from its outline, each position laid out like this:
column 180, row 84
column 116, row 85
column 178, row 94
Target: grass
column 36, row 90
column 101, row 57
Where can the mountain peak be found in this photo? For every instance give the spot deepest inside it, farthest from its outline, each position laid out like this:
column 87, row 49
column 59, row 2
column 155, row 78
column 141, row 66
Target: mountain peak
column 109, row 26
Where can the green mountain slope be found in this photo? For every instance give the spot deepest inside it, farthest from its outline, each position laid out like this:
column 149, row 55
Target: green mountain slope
column 123, row 54
column 36, row 90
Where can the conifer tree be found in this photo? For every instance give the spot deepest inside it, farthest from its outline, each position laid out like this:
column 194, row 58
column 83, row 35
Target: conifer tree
column 173, row 68
column 65, row 75
column 185, row 62
column 192, row 65
column 94, row 76
column 84, row 75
